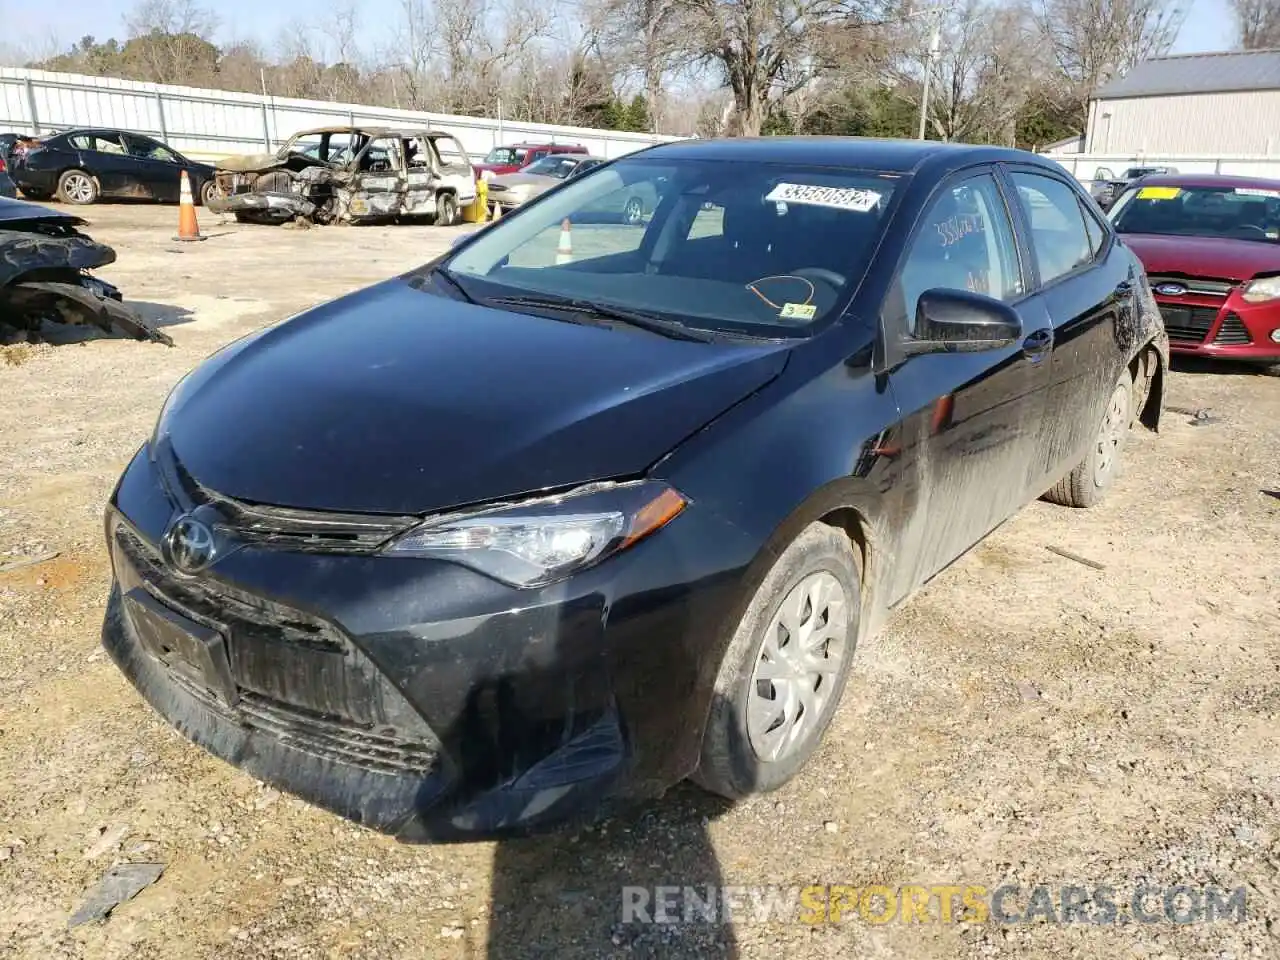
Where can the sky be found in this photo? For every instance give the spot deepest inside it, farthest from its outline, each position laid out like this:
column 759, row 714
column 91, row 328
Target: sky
column 36, row 25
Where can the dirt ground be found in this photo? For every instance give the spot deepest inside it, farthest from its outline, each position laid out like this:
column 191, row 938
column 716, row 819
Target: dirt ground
column 1027, row 719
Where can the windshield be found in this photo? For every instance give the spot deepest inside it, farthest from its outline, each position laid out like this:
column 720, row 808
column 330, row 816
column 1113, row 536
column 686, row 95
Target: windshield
column 757, row 248
column 505, row 155
column 558, row 167
column 1239, row 213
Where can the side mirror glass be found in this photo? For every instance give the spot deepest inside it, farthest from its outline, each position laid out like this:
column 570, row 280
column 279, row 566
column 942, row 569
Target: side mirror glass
column 957, row 321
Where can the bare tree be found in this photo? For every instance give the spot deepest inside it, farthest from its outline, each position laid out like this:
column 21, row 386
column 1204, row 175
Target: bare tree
column 171, row 40
column 414, row 47
column 1095, row 40
column 1257, row 23
column 641, row 36
column 767, row 50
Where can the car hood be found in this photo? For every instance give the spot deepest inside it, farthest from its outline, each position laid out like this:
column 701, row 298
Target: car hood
column 396, row 401
column 1204, row 256
column 249, row 163
column 13, row 212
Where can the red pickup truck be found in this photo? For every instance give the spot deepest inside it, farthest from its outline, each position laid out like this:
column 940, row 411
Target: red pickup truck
column 517, row 156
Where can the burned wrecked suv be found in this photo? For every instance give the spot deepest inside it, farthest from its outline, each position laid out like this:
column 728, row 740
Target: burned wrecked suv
column 347, row 174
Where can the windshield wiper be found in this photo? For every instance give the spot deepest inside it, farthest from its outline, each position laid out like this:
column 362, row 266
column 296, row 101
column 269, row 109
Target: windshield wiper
column 450, row 279
column 634, row 318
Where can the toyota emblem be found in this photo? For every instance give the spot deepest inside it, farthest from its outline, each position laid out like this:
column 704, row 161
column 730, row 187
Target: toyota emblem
column 188, row 545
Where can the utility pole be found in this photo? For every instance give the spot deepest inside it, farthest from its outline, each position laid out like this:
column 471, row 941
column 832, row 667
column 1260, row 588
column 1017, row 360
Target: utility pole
column 935, row 43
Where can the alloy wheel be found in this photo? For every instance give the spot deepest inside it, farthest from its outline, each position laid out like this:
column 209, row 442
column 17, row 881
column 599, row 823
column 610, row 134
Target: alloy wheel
column 78, row 188
column 799, row 660
column 634, row 211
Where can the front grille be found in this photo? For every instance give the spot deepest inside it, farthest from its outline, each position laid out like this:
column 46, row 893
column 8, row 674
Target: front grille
column 221, row 607
column 297, row 677
column 322, row 736
column 1205, row 286
column 1188, row 324
column 310, row 531
column 1232, row 333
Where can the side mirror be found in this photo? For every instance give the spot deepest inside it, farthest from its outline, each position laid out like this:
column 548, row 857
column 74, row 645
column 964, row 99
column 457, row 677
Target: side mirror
column 957, row 321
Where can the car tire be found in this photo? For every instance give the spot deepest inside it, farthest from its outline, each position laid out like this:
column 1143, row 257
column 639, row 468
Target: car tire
column 446, row 209
column 1092, row 477
column 760, row 730
column 208, row 191
column 633, row 212
column 78, row 187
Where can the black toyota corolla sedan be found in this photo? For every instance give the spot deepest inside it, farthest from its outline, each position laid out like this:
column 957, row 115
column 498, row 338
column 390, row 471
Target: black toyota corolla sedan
column 581, row 509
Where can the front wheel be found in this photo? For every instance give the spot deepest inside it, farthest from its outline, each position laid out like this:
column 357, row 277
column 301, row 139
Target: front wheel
column 446, row 209
column 78, row 187
column 633, row 212
column 1093, row 476
column 208, row 191
column 785, row 668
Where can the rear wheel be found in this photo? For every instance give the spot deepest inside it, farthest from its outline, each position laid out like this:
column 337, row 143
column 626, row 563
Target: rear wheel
column 1093, row 476
column 446, row 209
column 785, row 668
column 76, row 186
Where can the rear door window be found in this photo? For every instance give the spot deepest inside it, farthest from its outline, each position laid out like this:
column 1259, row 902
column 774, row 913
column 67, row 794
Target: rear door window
column 1058, row 232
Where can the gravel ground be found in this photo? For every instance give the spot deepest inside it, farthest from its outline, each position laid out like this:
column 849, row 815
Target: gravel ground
column 1026, row 719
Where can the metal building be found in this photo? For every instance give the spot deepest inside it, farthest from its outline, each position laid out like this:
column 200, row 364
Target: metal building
column 1221, row 104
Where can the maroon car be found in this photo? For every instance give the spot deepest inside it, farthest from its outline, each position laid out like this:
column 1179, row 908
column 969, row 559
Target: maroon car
column 509, row 159
column 1211, row 246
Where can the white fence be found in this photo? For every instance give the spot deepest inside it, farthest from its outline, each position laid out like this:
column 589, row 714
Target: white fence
column 206, row 124
column 1083, row 166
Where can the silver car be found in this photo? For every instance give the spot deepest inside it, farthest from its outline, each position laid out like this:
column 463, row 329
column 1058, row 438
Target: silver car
column 509, row 190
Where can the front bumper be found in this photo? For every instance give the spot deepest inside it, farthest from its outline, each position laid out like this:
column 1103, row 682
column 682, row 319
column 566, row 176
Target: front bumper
column 421, row 699
column 1228, row 328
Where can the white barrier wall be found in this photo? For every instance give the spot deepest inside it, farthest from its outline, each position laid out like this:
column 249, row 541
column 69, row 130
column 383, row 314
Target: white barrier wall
column 206, row 124
column 1083, row 166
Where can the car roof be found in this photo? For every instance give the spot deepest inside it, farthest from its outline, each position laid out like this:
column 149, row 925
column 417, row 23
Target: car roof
column 542, row 144
column 1221, row 181
column 375, row 131
column 889, row 156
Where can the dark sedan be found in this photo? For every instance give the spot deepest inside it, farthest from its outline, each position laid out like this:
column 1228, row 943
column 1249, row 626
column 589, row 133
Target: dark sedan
column 579, row 510
column 83, row 166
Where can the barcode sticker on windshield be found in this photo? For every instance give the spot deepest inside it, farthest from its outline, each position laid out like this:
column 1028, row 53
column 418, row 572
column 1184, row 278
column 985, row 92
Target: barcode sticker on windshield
column 1256, row 192
column 838, row 198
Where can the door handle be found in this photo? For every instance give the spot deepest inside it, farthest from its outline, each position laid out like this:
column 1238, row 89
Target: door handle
column 1038, row 344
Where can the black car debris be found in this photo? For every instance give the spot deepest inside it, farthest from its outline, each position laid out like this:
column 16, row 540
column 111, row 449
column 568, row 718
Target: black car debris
column 84, row 165
column 530, row 530
column 44, row 276
column 349, row 175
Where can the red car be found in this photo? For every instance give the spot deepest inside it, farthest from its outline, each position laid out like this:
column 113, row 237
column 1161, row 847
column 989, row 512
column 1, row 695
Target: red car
column 501, row 160
column 1211, row 246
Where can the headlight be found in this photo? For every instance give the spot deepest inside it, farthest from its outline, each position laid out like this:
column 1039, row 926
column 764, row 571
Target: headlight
column 541, row 541
column 1260, row 291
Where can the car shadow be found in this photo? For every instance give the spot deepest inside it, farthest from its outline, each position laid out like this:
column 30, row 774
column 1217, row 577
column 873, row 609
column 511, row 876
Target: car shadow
column 1190, row 363
column 595, row 892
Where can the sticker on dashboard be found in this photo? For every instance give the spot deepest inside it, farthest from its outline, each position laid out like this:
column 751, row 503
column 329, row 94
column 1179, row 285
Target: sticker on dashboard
column 798, row 311
column 1159, row 193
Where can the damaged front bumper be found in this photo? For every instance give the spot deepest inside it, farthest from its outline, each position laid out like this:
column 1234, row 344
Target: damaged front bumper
column 414, row 696
column 271, row 208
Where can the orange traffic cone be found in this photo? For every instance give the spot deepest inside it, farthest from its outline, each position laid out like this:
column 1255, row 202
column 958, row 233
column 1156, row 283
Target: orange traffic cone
column 564, row 252
column 188, row 229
